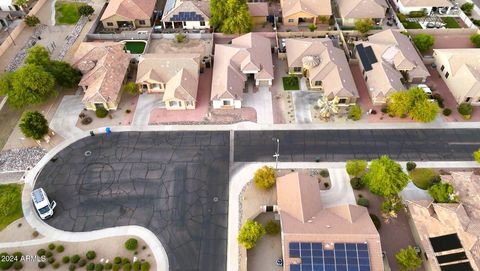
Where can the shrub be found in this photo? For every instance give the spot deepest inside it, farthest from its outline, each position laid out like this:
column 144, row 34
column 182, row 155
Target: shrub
column 180, row 37
column 101, row 112
column 35, row 234
column 75, row 258
column 376, row 221
column 41, row 265
column 384, row 109
column 326, row 185
column 272, row 227
column 127, row 267
column 56, row 265
column 4, row 265
column 363, row 202
column 324, row 173
column 85, row 10
column 116, row 267
column 408, row 259
column 447, row 111
column 131, row 244
column 60, row 249
column 108, row 266
column 465, row 109
column 82, row 262
column 51, row 260
column 411, row 166
column 99, row 267
column 65, row 259
column 48, row 254
column 136, row 266
column 86, row 121
column 145, row 266
column 41, row 252
column 356, row 168
column 71, row 267
column 475, row 39
column 91, row 255
column 443, row 193
column 401, row 17
column 264, row 177
column 125, row 260
column 250, row 233
column 90, row 266
column 467, row 8
column 31, row 20
column 17, row 265
column 51, row 246
column 117, row 260
column 18, row 255
column 312, row 27
column 417, row 13
column 355, row 112
column 356, row 183
column 424, row 42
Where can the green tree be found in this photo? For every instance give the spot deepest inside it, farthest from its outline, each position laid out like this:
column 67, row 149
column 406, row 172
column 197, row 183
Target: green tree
column 475, row 39
column 443, row 193
column 264, row 177
column 385, row 177
column 31, row 20
column 312, row 27
column 65, row 75
column 424, row 111
column 38, row 55
column 465, row 109
column 467, row 8
column 476, row 155
column 399, row 103
column 238, row 19
column 33, row 124
column 408, row 259
column 85, row 10
column 415, row 102
column 131, row 88
column 424, row 42
column 272, row 227
column 391, row 206
column 21, row 3
column 250, row 233
column 363, row 26
column 355, row 112
column 219, row 13
column 356, row 168
column 28, row 85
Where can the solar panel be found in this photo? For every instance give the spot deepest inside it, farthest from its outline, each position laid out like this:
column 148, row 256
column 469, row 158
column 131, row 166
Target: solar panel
column 465, row 266
column 186, row 17
column 460, row 256
column 343, row 257
column 445, row 242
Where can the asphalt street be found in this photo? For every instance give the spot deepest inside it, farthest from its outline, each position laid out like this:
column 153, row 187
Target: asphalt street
column 342, row 145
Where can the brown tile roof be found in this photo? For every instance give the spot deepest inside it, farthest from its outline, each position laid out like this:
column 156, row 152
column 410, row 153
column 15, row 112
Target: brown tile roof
column 426, row 3
column 104, row 66
column 248, row 53
column 361, row 9
column 200, row 7
column 258, row 9
column 313, row 7
column 130, row 9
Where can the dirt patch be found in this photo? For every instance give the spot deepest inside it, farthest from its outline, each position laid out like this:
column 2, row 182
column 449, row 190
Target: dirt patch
column 190, row 46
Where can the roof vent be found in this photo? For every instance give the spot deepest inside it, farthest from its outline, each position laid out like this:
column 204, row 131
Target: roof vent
column 309, row 221
column 328, row 226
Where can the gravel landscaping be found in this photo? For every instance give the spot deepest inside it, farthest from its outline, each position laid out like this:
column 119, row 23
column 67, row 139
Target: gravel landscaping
column 20, row 159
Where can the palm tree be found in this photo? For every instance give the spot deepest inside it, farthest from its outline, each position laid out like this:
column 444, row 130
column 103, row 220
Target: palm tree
column 328, row 107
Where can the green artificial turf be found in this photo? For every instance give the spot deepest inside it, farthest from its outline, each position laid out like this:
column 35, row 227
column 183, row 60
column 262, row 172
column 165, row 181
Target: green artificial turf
column 10, row 204
column 67, row 12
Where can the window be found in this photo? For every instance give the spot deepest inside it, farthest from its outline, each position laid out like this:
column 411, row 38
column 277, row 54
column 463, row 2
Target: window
column 226, row 102
column 442, row 68
column 468, row 99
column 155, row 85
column 318, row 83
column 342, row 100
column 297, row 69
column 202, row 23
column 291, row 20
column 189, row 103
column 109, row 24
column 174, row 104
column 366, row 78
column 446, row 75
column 184, row 24
column 145, row 86
column 141, row 22
column 363, row 72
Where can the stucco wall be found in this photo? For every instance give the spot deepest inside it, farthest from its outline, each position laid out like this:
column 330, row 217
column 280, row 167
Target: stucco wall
column 218, row 104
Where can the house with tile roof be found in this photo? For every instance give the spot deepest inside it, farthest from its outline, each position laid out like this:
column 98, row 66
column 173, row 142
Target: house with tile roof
column 388, row 60
column 247, row 59
column 353, row 10
column 128, row 14
column 342, row 237
column 407, row 6
column 104, row 66
column 304, row 12
column 174, row 75
column 258, row 11
column 186, row 14
column 324, row 67
column 460, row 70
column 449, row 233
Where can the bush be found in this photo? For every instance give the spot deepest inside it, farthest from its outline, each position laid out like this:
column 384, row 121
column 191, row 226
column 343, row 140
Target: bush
column 272, row 227
column 117, row 260
column 17, row 265
column 41, row 265
column 475, row 39
column 324, row 173
column 423, row 178
column 99, row 267
column 424, row 42
column 376, row 221
column 355, row 112
column 145, row 266
column 356, row 183
column 75, row 258
column 411, row 166
column 60, row 249
column 131, row 244
column 384, row 110
column 447, row 111
column 264, row 177
column 82, row 262
column 127, row 267
column 65, row 259
column 108, row 266
column 18, row 255
column 85, row 10
column 31, row 20
column 417, row 13
column 125, row 260
column 443, row 193
column 51, row 246
column 312, row 27
column 250, row 233
column 91, row 255
column 101, row 112
column 90, row 266
column 356, row 168
column 41, row 252
column 363, row 202
column 71, row 267
column 116, row 267
column 136, row 266
column 180, row 37
column 56, row 265
column 467, row 8
column 401, row 17
column 4, row 265
column 465, row 109
column 35, row 234
column 48, row 254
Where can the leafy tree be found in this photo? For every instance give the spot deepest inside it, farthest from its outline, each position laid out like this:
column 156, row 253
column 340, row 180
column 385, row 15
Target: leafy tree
column 272, row 227
column 65, row 75
column 21, row 3
column 443, row 193
column 86, row 10
column 385, row 177
column 424, row 42
column 415, row 102
column 238, row 19
column 38, row 55
column 356, row 168
column 28, row 85
column 465, row 109
column 408, row 259
column 475, row 39
column 31, row 20
column 312, row 27
column 250, row 233
column 355, row 112
column 467, row 8
column 476, row 155
column 424, row 111
column 391, row 206
column 33, row 124
column 219, row 13
column 323, row 19
column 363, row 26
column 264, row 177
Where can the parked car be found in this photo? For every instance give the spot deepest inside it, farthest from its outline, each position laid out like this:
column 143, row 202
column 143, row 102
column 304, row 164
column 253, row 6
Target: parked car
column 42, row 203
column 427, row 91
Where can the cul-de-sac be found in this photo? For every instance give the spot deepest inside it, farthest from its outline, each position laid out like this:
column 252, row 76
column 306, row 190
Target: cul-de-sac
column 240, row 135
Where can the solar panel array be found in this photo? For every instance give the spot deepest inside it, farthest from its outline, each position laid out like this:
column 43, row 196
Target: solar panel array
column 343, row 257
column 367, row 56
column 186, row 16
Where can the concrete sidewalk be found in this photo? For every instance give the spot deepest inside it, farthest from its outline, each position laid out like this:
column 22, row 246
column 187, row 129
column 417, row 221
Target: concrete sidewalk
column 340, row 192
column 64, row 122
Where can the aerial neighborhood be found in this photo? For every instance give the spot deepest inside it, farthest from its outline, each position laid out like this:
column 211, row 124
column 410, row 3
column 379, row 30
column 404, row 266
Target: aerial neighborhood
column 259, row 135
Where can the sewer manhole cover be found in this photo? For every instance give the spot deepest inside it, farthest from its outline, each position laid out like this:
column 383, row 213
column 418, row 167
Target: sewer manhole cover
column 88, row 153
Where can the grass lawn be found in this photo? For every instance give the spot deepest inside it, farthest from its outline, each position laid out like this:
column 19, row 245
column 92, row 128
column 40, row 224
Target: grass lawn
column 423, row 177
column 10, row 204
column 411, row 25
column 294, row 84
column 451, row 22
column 67, row 12
column 135, row 47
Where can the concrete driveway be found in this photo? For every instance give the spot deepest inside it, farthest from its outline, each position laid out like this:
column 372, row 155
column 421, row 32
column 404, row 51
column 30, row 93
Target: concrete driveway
column 302, row 100
column 340, row 192
column 262, row 102
column 64, row 122
column 146, row 103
